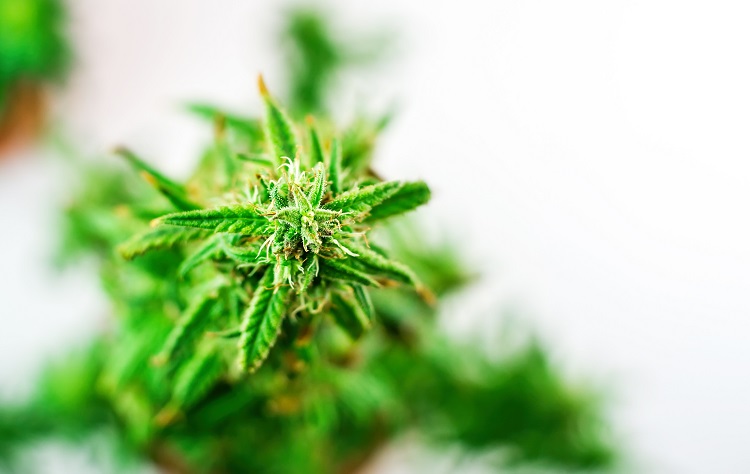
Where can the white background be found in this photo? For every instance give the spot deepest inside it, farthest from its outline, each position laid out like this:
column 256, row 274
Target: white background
column 592, row 157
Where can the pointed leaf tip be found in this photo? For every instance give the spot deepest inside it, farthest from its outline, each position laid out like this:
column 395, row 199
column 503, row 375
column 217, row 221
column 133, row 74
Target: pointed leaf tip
column 120, row 150
column 278, row 128
column 262, row 88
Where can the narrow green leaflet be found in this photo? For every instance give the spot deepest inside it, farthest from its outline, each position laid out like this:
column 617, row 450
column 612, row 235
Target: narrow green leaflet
column 189, row 327
column 316, row 148
column 223, row 150
column 364, row 300
column 160, row 237
column 208, row 250
column 338, row 270
column 174, row 192
column 318, row 187
column 256, row 158
column 279, row 129
column 138, row 344
column 246, row 126
column 261, row 323
column 379, row 264
column 334, row 167
column 406, row 198
column 237, row 219
column 349, row 315
column 361, row 200
column 311, row 269
column 196, row 377
column 245, row 255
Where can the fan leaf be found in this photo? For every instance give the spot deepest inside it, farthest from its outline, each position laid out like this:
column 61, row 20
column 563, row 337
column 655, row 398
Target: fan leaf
column 236, row 219
column 160, row 237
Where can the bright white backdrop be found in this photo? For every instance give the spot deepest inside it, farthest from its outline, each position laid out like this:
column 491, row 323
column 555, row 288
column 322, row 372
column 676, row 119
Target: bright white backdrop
column 595, row 153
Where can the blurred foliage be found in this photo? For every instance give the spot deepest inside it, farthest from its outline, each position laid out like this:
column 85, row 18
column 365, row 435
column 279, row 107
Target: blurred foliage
column 33, row 46
column 323, row 401
column 316, row 54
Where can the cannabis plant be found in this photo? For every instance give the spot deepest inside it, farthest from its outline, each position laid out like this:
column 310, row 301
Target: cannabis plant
column 275, row 313
column 277, row 249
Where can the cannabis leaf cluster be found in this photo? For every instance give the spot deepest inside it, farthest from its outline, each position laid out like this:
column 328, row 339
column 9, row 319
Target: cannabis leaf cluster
column 286, row 240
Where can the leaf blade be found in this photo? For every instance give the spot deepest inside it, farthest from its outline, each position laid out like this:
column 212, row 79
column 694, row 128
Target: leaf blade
column 349, row 316
column 365, row 302
column 408, row 197
column 236, row 219
column 277, row 126
column 334, row 167
column 208, row 250
column 261, row 323
column 316, row 147
column 174, row 192
column 377, row 263
column 160, row 237
column 196, row 377
column 338, row 270
column 318, row 188
column 188, row 328
column 363, row 199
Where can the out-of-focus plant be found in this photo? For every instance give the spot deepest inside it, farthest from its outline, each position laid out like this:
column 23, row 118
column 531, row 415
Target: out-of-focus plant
column 259, row 326
column 33, row 52
column 316, row 54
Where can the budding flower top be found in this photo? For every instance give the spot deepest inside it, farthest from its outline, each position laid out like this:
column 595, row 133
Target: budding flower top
column 282, row 237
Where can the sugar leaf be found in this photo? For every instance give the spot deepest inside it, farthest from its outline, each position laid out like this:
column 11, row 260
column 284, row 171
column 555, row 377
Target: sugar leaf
column 261, row 323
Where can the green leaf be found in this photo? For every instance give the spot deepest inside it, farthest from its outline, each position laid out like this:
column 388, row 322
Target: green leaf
column 301, row 200
column 189, row 327
column 249, row 254
column 138, row 342
column 289, row 215
column 160, row 237
column 279, row 194
column 210, row 249
column 223, row 150
column 174, row 192
column 334, row 167
column 364, row 300
column 408, row 197
column 316, row 148
column 258, row 159
column 197, row 376
column 318, row 188
column 361, row 200
column 237, row 219
column 246, row 126
column 349, row 315
column 310, row 269
column 279, row 129
column 261, row 323
column 377, row 263
column 337, row 269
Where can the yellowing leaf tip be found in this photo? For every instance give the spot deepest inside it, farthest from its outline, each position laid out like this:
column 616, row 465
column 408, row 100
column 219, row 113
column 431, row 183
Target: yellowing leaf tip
column 262, row 87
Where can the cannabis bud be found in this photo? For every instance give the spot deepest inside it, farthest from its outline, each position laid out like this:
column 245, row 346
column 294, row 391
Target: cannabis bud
column 285, row 240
